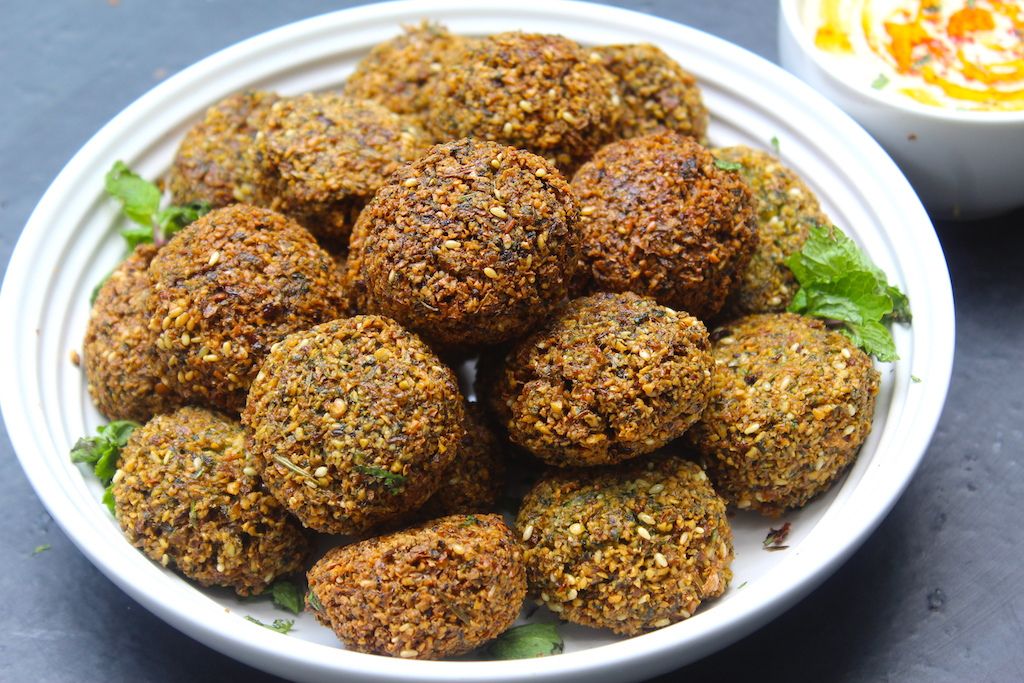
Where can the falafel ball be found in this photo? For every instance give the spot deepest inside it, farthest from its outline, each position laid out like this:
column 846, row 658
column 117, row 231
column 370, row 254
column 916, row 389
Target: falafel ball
column 660, row 218
column 630, row 548
column 211, row 164
column 437, row 590
column 396, row 72
column 355, row 422
column 227, row 287
column 122, row 366
column 186, row 495
column 791, row 404
column 472, row 244
column 543, row 93
column 657, row 94
column 319, row 157
column 611, row 377
column 786, row 211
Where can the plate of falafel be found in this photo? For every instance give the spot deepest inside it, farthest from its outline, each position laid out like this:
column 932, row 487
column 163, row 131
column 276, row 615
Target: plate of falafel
column 460, row 341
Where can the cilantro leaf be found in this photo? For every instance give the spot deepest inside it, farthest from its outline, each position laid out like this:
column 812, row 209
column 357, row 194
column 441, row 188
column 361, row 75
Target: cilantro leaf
column 839, row 282
column 102, row 451
column 283, row 626
column 287, row 595
column 525, row 642
column 393, row 482
column 728, row 165
column 108, row 499
column 139, row 198
column 174, row 218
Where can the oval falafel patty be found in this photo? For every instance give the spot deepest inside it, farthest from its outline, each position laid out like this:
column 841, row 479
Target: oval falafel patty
column 185, row 494
column 657, row 93
column 211, row 164
column 355, row 422
column 396, row 72
column 630, row 548
column 433, row 591
column 319, row 157
column 227, row 287
column 543, row 93
column 791, row 404
column 786, row 211
column 660, row 218
column 611, row 377
column 119, row 354
column 472, row 244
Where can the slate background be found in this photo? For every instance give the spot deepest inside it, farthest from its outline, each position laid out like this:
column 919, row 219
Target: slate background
column 934, row 594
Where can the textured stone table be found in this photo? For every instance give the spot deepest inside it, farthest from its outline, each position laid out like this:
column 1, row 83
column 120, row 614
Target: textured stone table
column 934, row 595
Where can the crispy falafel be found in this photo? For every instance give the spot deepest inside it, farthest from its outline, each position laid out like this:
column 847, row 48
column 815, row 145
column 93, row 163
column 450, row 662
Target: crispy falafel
column 660, row 218
column 227, row 287
column 470, row 245
column 354, row 422
column 188, row 497
column 437, row 590
column 610, row 377
column 630, row 548
column 791, row 404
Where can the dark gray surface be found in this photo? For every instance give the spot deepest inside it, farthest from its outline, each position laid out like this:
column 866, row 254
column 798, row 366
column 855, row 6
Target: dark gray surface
column 934, row 595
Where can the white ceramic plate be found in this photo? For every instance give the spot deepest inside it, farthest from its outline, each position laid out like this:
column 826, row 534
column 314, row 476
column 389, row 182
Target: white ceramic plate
column 70, row 242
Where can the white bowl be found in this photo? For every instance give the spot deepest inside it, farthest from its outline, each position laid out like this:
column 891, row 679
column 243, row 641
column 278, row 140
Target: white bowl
column 70, row 242
column 963, row 164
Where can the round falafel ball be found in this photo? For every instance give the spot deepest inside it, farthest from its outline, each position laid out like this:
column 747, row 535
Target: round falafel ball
column 611, row 377
column 227, row 287
column 786, row 211
column 119, row 354
column 355, row 422
column 657, row 94
column 543, row 93
column 630, row 548
column 470, row 245
column 396, row 72
column 211, row 164
column 791, row 404
column 319, row 157
column 660, row 218
column 437, row 590
column 186, row 495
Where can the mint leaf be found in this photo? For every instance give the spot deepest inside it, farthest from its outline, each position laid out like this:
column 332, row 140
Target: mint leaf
column 839, row 282
column 287, row 595
column 525, row 642
column 134, row 235
column 283, row 626
column 139, row 198
column 174, row 218
column 728, row 165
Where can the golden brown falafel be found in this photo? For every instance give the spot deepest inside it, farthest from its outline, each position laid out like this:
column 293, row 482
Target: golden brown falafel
column 227, row 287
column 186, row 495
column 791, row 404
column 355, row 422
column 610, row 377
column 630, row 548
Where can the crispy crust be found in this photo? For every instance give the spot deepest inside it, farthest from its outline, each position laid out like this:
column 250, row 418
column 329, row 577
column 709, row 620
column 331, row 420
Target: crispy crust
column 629, row 548
column 122, row 366
column 186, row 496
column 659, row 218
column 472, row 244
column 355, row 422
column 611, row 377
column 791, row 404
column 227, row 287
column 434, row 591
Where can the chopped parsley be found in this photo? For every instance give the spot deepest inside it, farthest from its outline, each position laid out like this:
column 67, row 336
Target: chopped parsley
column 393, row 482
column 775, row 144
column 728, row 165
column 839, row 283
column 283, row 626
column 526, row 642
column 102, row 451
column 881, row 80
column 915, row 379
column 41, row 548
